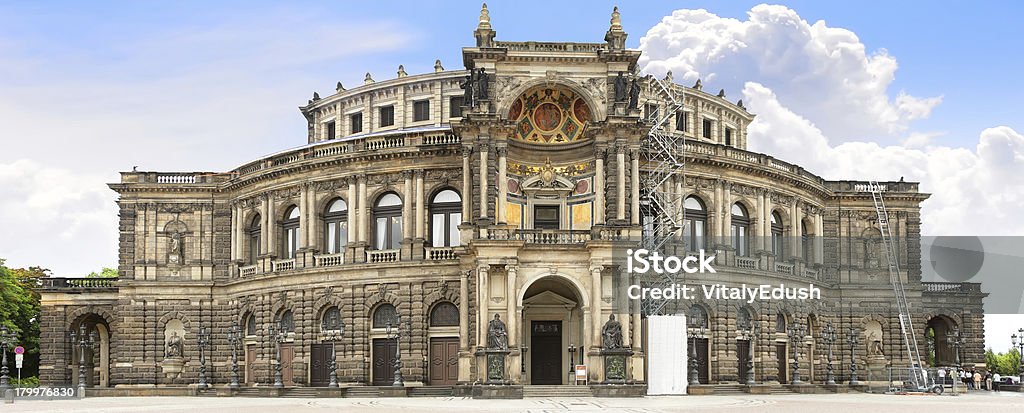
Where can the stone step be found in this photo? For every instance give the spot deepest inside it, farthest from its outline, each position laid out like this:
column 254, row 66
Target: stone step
column 359, row 391
column 557, row 391
column 729, row 389
column 431, row 391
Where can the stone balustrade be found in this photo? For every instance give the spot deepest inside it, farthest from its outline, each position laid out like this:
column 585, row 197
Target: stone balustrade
column 784, row 268
column 947, row 287
column 382, row 256
column 329, row 260
column 746, row 263
column 440, row 253
column 77, row 283
column 247, row 271
column 810, row 273
column 283, row 265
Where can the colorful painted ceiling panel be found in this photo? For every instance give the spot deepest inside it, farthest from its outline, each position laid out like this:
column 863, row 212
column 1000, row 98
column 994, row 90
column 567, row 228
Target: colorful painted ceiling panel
column 549, row 115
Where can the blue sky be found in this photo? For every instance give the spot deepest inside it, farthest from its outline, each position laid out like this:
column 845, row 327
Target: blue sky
column 90, row 89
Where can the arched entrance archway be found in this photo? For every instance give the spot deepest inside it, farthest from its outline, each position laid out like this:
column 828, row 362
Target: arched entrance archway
column 96, row 356
column 939, row 329
column 553, row 329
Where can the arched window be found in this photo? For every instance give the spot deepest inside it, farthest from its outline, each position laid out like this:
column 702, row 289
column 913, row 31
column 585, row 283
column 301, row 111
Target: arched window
column 740, row 230
column 250, row 324
column 777, row 247
column 331, row 320
column 285, row 321
column 445, row 217
column 290, row 228
column 444, row 314
column 255, row 232
column 744, row 320
column 387, row 217
column 780, row 323
column 336, row 226
column 807, row 239
column 696, row 215
column 384, row 315
column 698, row 316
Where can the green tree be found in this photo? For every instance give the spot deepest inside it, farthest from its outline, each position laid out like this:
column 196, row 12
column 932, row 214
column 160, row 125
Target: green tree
column 106, row 272
column 19, row 310
column 1003, row 363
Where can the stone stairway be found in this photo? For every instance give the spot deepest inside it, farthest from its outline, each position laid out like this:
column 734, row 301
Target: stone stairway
column 302, row 392
column 557, row 391
column 729, row 390
column 362, row 391
column 431, row 391
column 779, row 390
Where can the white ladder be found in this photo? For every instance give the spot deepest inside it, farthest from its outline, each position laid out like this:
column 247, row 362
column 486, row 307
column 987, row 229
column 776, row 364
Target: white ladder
column 918, row 374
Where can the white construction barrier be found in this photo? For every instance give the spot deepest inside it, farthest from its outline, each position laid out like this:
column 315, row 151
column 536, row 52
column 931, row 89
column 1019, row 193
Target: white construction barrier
column 666, row 355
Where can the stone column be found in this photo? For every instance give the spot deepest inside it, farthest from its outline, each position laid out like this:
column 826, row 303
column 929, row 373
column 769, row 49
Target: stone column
column 464, row 311
column 634, row 210
column 502, row 184
column 819, row 248
column 620, row 166
column 726, row 214
column 303, row 216
column 595, row 305
column 363, row 208
column 236, row 219
column 353, row 211
column 421, row 203
column 467, row 185
column 483, row 300
column 511, row 298
column 759, row 223
column 407, row 203
column 796, row 231
column 767, row 226
column 266, row 228
column 483, row 180
column 599, row 207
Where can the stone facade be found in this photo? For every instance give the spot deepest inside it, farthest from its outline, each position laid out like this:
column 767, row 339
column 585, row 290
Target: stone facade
column 546, row 172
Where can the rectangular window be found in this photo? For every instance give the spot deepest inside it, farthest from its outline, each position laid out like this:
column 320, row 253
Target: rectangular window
column 707, row 129
column 546, row 217
column 453, row 229
column 421, row 110
column 455, row 107
column 681, row 121
column 728, row 136
column 381, row 235
column 329, row 133
column 651, row 111
column 396, row 232
column 387, row 116
column 356, row 119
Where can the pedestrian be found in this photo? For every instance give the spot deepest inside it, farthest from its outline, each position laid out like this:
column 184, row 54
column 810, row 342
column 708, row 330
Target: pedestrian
column 942, row 376
column 977, row 380
column 995, row 381
column 988, row 380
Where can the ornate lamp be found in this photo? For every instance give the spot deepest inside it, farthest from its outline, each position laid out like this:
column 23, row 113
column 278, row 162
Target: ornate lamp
column 1018, row 342
column 695, row 331
column 332, row 331
column 234, row 340
column 84, row 342
column 6, row 339
column 396, row 334
column 828, row 333
column 203, row 343
column 852, row 336
column 796, row 337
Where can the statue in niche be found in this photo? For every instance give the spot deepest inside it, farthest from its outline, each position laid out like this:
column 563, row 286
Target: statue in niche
column 482, row 79
column 621, row 88
column 175, row 346
column 634, row 94
column 174, row 249
column 467, row 86
column 497, row 336
column 875, row 344
column 611, row 334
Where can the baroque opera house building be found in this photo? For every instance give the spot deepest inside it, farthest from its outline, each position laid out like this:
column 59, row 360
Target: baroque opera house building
column 424, row 205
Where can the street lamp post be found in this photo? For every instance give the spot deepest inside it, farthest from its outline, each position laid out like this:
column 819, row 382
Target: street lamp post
column 332, row 331
column 750, row 335
column 852, row 336
column 84, row 342
column 6, row 339
column 234, row 339
column 279, row 335
column 955, row 340
column 203, row 341
column 695, row 331
column 396, row 334
column 1018, row 342
column 828, row 334
column 796, row 336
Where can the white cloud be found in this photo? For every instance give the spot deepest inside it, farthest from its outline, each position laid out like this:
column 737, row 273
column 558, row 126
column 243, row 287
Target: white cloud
column 823, row 102
column 823, row 73
column 175, row 97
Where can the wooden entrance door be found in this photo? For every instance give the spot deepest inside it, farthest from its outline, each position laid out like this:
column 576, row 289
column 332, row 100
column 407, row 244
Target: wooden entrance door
column 702, row 361
column 384, row 361
column 444, row 361
column 780, row 355
column 287, row 366
column 320, row 365
column 546, row 352
column 742, row 357
column 250, row 365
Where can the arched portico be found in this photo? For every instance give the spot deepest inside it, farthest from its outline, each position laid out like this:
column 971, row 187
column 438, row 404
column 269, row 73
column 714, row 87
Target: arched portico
column 555, row 321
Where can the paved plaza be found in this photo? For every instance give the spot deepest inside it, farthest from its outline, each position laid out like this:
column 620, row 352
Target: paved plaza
column 975, row 402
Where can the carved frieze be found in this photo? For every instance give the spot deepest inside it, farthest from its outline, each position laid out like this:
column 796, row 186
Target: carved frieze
column 598, row 89
column 565, row 170
column 287, row 193
column 780, row 199
column 504, row 85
